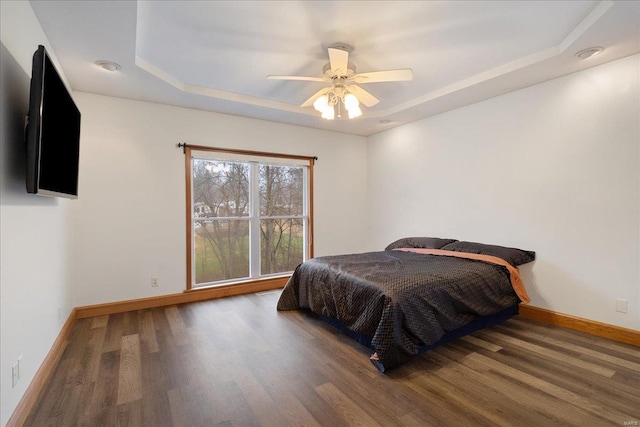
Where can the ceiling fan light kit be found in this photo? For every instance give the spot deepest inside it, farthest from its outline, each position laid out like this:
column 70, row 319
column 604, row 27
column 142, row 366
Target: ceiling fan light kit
column 335, row 99
column 331, row 100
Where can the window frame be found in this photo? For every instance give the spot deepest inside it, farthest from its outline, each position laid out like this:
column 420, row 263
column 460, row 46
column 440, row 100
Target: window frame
column 255, row 159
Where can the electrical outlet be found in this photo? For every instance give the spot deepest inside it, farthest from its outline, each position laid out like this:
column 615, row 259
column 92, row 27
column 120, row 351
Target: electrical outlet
column 621, row 305
column 18, row 363
column 154, row 282
column 14, row 375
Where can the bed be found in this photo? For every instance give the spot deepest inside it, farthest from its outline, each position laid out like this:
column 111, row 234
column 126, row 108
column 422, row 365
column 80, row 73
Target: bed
column 415, row 295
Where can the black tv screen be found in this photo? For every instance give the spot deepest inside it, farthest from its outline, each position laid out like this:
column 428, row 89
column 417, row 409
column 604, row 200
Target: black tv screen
column 52, row 134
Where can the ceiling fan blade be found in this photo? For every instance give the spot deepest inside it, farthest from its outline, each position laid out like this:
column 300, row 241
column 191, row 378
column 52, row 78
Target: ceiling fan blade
column 318, row 94
column 363, row 96
column 304, row 78
column 402, row 75
column 339, row 60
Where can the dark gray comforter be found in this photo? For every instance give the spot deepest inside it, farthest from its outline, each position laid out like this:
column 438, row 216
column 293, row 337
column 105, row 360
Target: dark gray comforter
column 399, row 301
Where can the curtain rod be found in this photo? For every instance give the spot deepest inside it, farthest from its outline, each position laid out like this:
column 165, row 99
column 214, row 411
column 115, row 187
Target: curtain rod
column 184, row 147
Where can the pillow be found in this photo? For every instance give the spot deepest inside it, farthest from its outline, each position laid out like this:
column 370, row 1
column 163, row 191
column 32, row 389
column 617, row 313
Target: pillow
column 513, row 256
column 419, row 242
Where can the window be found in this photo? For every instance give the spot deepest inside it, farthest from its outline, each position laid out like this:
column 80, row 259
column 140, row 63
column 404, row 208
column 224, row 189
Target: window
column 249, row 217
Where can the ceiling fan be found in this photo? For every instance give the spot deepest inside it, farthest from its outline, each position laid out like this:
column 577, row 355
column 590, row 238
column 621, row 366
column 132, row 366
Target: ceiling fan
column 343, row 93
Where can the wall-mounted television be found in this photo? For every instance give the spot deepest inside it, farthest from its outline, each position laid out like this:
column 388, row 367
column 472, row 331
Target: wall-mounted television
column 52, row 132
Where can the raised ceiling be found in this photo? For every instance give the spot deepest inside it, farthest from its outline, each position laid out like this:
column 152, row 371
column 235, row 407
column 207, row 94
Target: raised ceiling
column 216, row 55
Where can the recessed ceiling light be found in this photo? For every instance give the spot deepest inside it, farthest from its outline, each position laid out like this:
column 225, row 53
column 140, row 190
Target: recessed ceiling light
column 108, row 65
column 384, row 122
column 589, row 52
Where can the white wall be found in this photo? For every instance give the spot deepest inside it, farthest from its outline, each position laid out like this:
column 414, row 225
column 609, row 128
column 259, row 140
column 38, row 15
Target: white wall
column 129, row 220
column 34, row 263
column 552, row 168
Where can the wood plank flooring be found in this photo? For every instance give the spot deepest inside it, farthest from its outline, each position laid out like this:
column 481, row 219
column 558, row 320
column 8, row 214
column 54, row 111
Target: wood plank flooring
column 238, row 362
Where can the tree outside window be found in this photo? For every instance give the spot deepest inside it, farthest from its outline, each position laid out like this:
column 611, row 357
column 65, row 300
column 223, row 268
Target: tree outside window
column 249, row 219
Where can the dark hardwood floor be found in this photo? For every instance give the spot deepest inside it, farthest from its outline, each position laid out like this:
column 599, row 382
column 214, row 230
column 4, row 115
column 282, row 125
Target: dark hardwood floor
column 236, row 361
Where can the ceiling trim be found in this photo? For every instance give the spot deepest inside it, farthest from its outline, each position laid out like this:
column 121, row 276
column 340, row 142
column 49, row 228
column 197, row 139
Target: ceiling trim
column 509, row 67
column 216, row 93
column 477, row 79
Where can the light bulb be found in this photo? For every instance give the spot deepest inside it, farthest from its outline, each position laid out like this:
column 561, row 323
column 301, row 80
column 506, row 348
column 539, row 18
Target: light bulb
column 354, row 112
column 350, row 102
column 328, row 113
column 321, row 103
